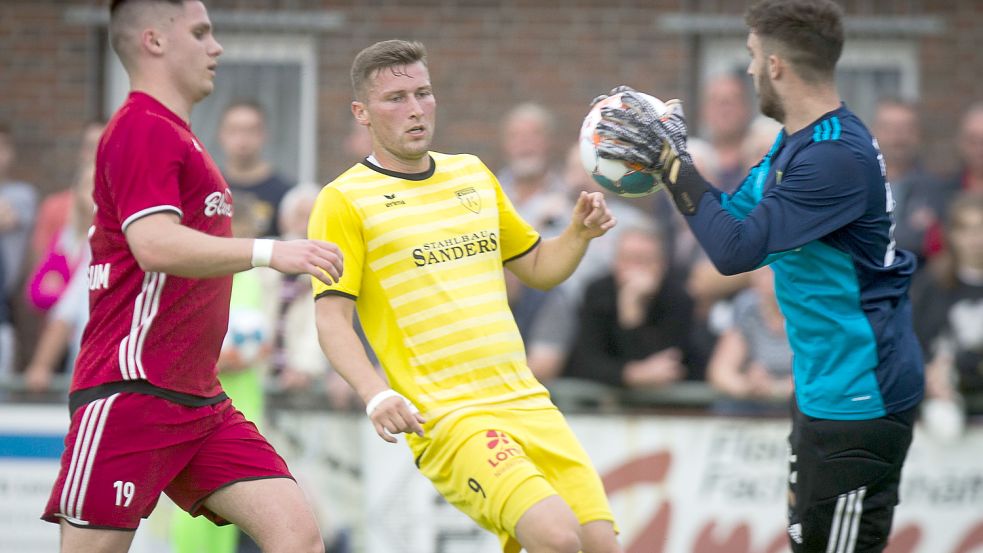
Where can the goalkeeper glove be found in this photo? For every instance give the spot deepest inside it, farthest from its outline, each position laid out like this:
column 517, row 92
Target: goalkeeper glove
column 639, row 134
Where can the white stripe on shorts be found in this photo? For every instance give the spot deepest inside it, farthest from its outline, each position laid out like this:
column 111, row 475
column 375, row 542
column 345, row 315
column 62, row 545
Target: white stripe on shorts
column 92, row 456
column 83, row 456
column 70, row 477
column 846, row 521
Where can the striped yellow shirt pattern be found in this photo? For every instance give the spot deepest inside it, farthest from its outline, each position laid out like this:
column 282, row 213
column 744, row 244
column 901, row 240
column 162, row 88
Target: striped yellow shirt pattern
column 423, row 261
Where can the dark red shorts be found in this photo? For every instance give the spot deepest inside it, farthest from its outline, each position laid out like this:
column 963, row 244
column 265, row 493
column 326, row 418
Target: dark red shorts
column 122, row 451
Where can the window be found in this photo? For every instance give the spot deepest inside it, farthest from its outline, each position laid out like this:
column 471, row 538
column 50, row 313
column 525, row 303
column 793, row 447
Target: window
column 279, row 72
column 867, row 71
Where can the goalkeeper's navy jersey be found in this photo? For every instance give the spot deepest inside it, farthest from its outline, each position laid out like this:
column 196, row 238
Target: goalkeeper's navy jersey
column 817, row 208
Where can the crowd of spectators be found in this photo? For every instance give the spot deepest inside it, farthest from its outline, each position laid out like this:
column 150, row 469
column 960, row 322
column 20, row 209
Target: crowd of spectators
column 645, row 313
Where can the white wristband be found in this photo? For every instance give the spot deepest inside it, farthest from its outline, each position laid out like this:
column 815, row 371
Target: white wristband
column 262, row 252
column 383, row 396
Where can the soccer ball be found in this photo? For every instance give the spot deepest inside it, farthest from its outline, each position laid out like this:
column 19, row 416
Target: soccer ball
column 248, row 338
column 620, row 177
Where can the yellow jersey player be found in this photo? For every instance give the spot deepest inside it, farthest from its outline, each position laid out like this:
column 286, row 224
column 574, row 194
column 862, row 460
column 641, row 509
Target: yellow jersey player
column 425, row 236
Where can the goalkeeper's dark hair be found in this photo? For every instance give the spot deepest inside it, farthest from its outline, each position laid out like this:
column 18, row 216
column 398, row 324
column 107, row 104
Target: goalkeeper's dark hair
column 388, row 54
column 809, row 33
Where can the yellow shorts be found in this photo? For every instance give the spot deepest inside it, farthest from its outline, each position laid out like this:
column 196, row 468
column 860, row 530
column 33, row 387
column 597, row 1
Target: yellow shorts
column 495, row 466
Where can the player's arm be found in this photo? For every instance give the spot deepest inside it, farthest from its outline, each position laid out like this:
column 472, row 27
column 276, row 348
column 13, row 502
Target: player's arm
column 160, row 243
column 816, row 196
column 390, row 412
column 555, row 259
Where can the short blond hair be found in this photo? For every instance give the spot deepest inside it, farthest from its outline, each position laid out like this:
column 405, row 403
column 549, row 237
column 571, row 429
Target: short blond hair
column 384, row 55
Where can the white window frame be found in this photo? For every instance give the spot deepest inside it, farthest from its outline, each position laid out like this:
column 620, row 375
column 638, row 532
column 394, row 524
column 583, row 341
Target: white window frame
column 261, row 48
column 720, row 55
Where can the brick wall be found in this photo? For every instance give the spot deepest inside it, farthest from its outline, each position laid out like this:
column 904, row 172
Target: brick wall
column 48, row 77
column 485, row 56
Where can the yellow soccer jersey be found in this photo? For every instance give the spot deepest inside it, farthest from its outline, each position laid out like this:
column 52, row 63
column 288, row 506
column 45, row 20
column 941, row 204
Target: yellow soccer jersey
column 423, row 260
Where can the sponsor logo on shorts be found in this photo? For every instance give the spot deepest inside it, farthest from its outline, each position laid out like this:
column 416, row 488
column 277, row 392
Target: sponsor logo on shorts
column 502, row 447
column 494, row 437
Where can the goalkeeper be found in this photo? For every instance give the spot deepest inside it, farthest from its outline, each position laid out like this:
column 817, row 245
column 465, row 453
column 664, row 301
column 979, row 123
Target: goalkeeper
column 817, row 208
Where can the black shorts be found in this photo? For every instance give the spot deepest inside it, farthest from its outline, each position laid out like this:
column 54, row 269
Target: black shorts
column 843, row 481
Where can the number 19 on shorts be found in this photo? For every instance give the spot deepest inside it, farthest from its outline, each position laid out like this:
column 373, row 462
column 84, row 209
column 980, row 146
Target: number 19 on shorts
column 124, row 493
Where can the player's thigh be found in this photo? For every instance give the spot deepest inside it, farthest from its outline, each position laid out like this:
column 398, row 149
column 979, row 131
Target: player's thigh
column 488, row 476
column 553, row 447
column 273, row 511
column 844, row 482
column 121, row 452
column 90, row 540
column 234, row 451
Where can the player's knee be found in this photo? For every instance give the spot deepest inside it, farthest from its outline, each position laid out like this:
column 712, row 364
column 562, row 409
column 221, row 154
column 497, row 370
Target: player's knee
column 558, row 539
column 313, row 543
column 301, row 542
column 599, row 537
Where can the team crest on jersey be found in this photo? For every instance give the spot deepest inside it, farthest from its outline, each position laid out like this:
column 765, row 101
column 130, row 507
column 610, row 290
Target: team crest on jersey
column 470, row 199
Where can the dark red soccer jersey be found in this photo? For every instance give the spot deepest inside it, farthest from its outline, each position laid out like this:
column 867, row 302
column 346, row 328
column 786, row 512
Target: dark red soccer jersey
column 156, row 327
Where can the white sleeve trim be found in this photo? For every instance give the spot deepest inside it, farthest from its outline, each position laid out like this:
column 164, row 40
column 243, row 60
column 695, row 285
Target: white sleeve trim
column 149, row 211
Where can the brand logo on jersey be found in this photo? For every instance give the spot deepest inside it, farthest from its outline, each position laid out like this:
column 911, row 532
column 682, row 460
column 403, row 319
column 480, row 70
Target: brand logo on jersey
column 470, row 199
column 196, row 145
column 392, row 200
column 505, row 451
column 456, row 248
column 99, row 276
column 218, row 203
column 778, row 176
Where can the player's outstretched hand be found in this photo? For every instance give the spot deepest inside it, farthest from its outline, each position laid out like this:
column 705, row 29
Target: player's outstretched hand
column 395, row 415
column 321, row 259
column 591, row 215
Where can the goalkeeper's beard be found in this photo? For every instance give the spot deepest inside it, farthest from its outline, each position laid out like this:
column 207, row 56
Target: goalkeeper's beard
column 768, row 99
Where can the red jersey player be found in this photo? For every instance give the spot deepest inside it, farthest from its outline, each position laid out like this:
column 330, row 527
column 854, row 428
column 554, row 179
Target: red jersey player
column 148, row 413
